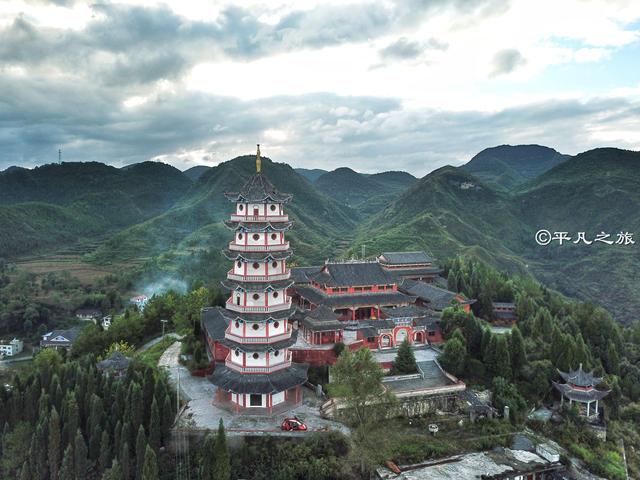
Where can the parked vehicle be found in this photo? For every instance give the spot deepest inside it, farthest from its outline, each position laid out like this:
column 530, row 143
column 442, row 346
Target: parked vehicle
column 293, row 424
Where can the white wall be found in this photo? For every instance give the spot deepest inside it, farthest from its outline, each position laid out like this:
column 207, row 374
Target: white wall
column 277, row 398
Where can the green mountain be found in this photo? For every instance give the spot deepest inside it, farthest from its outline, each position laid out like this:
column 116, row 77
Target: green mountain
column 508, row 166
column 195, row 222
column 57, row 203
column 366, row 194
column 310, row 174
column 450, row 211
column 194, row 173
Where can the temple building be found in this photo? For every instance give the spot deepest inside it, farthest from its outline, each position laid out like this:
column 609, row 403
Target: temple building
column 580, row 388
column 253, row 333
column 410, row 265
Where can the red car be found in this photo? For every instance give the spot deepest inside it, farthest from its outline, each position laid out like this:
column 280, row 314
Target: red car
column 293, row 424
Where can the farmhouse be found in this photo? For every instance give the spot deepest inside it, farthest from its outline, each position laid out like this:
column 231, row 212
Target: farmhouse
column 10, row 348
column 60, row 338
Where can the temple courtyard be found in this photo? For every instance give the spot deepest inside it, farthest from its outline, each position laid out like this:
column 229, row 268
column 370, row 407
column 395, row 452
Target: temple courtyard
column 199, row 412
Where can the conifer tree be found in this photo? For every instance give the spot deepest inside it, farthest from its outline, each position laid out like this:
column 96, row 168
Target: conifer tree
column 405, row 361
column 518, row 353
column 155, row 427
column 104, row 458
column 502, row 366
column 141, row 445
column 455, row 353
column 222, row 466
column 38, row 452
column 150, row 468
column 54, row 447
column 80, row 457
column 167, row 419
column 125, row 461
column 67, row 470
column 207, row 460
column 113, row 473
column 25, row 471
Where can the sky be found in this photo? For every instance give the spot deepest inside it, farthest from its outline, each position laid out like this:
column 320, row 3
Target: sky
column 374, row 85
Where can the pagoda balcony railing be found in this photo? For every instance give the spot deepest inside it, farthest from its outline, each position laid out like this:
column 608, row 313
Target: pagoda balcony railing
column 259, row 278
column 258, row 369
column 253, row 340
column 259, row 218
column 259, row 248
column 258, row 308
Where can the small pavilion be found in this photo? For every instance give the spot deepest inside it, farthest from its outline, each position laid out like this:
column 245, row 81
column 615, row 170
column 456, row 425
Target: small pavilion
column 580, row 388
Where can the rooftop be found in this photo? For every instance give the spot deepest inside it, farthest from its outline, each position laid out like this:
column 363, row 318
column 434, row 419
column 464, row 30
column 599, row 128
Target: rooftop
column 258, row 189
column 477, row 465
column 405, row 258
column 580, row 378
column 439, row 298
column 353, row 273
column 350, row 300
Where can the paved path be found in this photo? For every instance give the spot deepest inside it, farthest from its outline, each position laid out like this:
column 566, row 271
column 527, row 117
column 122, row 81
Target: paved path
column 201, row 414
column 157, row 340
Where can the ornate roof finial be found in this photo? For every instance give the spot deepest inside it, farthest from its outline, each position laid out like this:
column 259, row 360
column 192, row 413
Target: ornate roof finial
column 258, row 160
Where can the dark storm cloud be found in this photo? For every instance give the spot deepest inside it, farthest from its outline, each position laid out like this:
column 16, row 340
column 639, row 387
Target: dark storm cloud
column 506, row 61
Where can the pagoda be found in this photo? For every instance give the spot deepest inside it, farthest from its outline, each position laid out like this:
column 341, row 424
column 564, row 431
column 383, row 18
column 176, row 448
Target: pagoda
column 258, row 375
column 580, row 388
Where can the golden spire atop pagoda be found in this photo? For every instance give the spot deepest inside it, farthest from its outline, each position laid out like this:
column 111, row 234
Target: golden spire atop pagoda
column 258, row 160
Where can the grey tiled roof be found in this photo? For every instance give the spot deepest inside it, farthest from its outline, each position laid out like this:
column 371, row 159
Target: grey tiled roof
column 353, row 274
column 354, row 299
column 580, row 395
column 232, row 381
column 116, row 361
column 257, row 256
column 438, row 298
column 70, row 335
column 405, row 258
column 261, row 347
column 580, row 377
column 258, row 226
column 256, row 286
column 322, row 318
column 299, row 274
column 258, row 189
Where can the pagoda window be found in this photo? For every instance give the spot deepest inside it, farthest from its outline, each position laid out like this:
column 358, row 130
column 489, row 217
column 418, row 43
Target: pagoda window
column 256, row 265
column 256, row 211
column 240, row 207
column 240, row 236
column 239, row 264
column 237, row 300
column 256, row 296
column 256, row 356
column 273, row 208
column 256, row 236
column 366, row 289
column 276, row 353
column 274, row 264
column 255, row 326
column 276, row 325
column 255, row 400
column 275, row 294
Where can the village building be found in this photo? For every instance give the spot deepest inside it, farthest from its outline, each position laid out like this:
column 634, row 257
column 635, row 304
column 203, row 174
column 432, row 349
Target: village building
column 497, row 464
column 258, row 374
column 116, row 365
column 9, row 348
column 139, row 301
column 504, row 314
column 106, row 322
column 60, row 338
column 410, row 265
column 580, row 388
column 88, row 315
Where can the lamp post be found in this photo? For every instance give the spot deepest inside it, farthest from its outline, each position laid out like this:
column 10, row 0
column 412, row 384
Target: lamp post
column 164, row 322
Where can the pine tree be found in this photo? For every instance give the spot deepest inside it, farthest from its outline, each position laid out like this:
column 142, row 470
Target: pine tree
column 155, row 427
column 454, row 356
column 222, row 466
column 125, row 461
column 80, row 457
column 518, row 353
column 67, row 470
column 613, row 359
column 54, row 448
column 38, row 452
column 104, row 459
column 25, row 471
column 405, row 361
column 168, row 416
column 150, row 468
column 207, row 460
column 136, row 405
column 114, row 473
column 141, row 445
column 70, row 419
column 502, row 366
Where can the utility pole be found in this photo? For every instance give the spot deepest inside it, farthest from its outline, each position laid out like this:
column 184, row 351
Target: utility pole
column 364, row 250
column 59, row 155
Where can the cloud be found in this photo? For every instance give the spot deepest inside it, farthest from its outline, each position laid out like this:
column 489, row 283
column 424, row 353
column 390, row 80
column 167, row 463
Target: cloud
column 506, row 61
column 405, row 49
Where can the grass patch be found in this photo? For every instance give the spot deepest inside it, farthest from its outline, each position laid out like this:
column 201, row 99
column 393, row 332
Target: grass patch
column 151, row 356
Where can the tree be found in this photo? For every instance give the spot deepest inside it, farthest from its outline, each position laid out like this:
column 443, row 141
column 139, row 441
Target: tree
column 518, row 353
column 122, row 346
column 80, row 457
column 207, row 459
column 125, row 461
column 357, row 380
column 150, row 468
column 141, row 445
column 105, row 452
column 54, row 447
column 67, row 469
column 114, row 473
column 405, row 361
column 502, row 366
column 222, row 465
column 155, row 427
column 506, row 394
column 454, row 356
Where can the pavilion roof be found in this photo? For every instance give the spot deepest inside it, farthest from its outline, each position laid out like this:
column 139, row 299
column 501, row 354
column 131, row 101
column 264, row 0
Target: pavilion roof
column 439, row 298
column 578, row 395
column 258, row 189
column 580, row 378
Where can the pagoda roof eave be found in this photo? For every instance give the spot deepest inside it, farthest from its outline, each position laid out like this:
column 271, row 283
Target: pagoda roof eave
column 232, row 381
column 580, row 395
column 256, row 286
column 251, row 227
column 257, row 256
